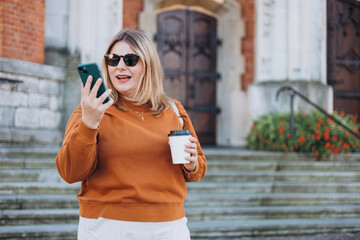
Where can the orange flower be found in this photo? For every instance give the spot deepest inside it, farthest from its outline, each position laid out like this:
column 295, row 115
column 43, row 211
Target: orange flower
column 354, row 119
column 356, row 129
column 313, row 148
column 320, row 120
column 316, row 154
column 283, row 145
column 296, row 146
column 301, row 139
column 318, row 138
column 342, row 113
column 336, row 151
column 317, row 131
column 326, row 136
column 318, row 125
column 327, row 145
column 346, row 134
column 281, row 130
column 288, row 136
column 330, row 121
column 281, row 123
column 334, row 138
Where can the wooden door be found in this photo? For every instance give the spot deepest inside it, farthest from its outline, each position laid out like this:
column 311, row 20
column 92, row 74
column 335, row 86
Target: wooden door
column 344, row 54
column 187, row 48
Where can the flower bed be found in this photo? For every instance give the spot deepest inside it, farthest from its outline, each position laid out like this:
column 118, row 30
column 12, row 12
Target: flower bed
column 314, row 132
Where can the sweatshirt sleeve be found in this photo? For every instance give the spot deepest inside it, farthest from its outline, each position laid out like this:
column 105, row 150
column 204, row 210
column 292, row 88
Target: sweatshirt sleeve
column 77, row 157
column 200, row 170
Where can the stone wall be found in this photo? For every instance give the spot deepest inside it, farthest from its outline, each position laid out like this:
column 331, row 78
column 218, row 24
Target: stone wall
column 30, row 103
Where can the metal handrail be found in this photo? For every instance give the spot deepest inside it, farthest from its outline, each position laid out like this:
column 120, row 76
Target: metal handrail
column 293, row 92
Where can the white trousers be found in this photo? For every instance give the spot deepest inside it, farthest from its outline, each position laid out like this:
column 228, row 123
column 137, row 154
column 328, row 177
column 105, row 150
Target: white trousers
column 107, row 229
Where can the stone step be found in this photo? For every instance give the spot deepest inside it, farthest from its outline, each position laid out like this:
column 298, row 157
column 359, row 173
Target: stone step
column 28, row 188
column 272, row 165
column 293, row 176
column 203, row 229
column 270, row 199
column 195, row 200
column 281, row 227
column 29, row 175
column 272, row 212
column 39, row 216
column 16, row 188
column 272, row 187
column 39, row 201
column 244, row 154
column 64, row 216
column 29, row 152
column 38, row 232
column 27, row 163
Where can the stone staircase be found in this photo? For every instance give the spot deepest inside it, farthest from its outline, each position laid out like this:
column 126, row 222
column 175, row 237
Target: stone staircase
column 244, row 193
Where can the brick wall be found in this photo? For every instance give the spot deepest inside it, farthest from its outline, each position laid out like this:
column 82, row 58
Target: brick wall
column 132, row 8
column 22, row 30
column 248, row 42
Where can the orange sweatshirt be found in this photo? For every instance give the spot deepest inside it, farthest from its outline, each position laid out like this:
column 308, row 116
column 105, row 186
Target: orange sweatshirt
column 125, row 165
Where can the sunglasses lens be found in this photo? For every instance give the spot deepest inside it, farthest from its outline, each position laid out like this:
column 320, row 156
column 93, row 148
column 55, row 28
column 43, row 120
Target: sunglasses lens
column 131, row 60
column 112, row 60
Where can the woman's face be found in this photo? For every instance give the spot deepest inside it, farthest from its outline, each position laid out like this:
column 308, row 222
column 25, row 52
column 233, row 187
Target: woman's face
column 124, row 78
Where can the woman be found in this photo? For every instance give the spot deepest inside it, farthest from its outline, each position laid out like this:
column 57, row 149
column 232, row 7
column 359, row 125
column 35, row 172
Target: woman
column 119, row 150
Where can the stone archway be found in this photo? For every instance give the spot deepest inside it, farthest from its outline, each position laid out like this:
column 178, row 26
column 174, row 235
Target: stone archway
column 230, row 27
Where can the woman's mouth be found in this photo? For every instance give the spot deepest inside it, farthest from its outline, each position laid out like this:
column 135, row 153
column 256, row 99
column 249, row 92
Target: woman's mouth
column 123, row 78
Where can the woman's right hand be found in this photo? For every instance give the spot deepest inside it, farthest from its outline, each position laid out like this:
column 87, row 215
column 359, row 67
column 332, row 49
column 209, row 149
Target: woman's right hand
column 93, row 108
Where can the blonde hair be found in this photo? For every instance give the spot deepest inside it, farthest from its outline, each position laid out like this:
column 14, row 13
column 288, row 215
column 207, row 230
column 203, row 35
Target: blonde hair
column 150, row 90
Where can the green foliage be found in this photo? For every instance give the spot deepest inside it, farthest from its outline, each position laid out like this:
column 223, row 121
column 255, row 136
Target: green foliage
column 314, row 132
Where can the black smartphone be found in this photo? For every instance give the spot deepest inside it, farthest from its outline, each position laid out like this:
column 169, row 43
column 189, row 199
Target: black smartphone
column 87, row 69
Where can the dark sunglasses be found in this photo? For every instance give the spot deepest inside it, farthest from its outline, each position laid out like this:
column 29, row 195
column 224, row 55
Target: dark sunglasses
column 113, row 60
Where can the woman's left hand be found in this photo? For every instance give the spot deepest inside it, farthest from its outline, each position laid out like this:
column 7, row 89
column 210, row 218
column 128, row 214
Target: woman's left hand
column 192, row 149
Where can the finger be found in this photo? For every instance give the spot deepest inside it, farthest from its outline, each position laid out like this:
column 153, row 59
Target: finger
column 193, row 140
column 104, row 95
column 105, row 106
column 191, row 145
column 96, row 87
column 88, row 85
column 108, row 104
column 192, row 151
column 192, row 159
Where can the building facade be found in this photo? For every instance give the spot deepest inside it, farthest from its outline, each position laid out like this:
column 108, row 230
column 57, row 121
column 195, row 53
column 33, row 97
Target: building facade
column 223, row 59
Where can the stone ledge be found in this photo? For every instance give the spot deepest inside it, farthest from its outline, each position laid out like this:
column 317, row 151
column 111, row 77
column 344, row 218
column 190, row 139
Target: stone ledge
column 31, row 69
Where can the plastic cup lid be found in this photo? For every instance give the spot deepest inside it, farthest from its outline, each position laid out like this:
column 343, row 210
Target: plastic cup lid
column 179, row 133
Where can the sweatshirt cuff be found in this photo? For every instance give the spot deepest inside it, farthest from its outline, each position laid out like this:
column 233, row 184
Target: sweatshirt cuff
column 86, row 133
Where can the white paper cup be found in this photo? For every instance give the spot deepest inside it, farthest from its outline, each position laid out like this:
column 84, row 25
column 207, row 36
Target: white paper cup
column 177, row 140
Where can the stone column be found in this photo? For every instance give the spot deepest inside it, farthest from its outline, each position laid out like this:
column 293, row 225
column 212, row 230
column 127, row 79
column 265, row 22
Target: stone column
column 291, row 50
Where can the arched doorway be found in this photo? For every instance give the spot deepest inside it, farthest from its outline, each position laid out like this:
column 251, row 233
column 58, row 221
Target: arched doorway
column 230, row 130
column 187, row 44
